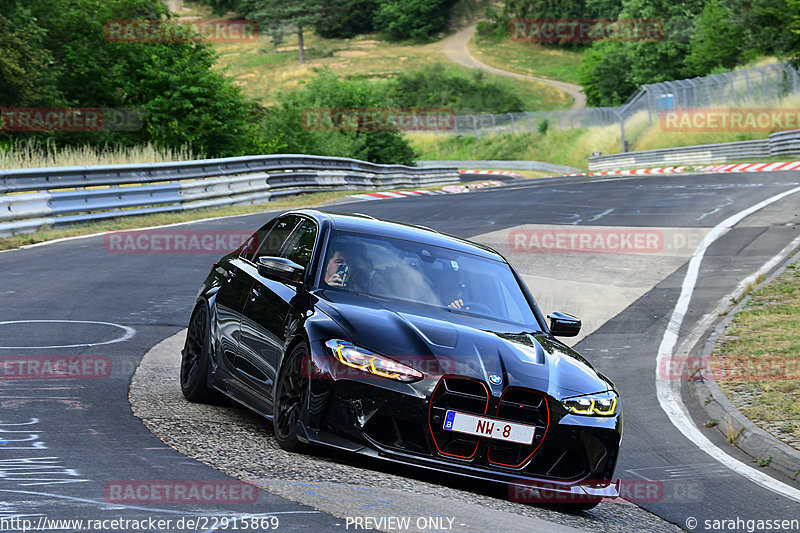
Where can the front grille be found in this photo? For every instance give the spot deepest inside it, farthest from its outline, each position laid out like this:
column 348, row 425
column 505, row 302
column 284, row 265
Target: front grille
column 527, row 407
column 472, row 396
column 458, row 394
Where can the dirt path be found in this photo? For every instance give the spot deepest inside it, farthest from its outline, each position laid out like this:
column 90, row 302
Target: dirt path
column 456, row 49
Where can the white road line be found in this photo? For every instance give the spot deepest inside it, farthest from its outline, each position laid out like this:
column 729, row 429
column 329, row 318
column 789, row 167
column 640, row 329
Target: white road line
column 668, row 390
column 129, row 332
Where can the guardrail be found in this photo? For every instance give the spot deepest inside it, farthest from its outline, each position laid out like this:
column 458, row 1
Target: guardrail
column 33, row 198
column 503, row 165
column 777, row 144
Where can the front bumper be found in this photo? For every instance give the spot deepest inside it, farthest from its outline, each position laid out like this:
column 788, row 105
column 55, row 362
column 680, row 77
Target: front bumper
column 573, row 457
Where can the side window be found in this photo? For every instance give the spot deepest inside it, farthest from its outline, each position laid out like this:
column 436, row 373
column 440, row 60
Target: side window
column 273, row 242
column 252, row 244
column 301, row 244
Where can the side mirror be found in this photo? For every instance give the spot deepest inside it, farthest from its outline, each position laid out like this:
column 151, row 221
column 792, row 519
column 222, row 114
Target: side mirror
column 281, row 269
column 564, row 325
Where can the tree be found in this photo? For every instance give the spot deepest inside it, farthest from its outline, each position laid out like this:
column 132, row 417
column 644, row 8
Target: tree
column 604, row 74
column 27, row 73
column 275, row 16
column 348, row 18
column 221, row 7
column 546, row 9
column 766, row 26
column 181, row 97
column 612, row 71
column 717, row 42
column 412, row 19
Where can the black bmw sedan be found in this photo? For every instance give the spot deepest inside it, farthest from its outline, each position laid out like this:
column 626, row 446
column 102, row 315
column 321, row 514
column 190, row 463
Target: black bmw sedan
column 401, row 343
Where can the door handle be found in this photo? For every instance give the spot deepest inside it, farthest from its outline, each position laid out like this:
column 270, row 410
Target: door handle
column 254, row 293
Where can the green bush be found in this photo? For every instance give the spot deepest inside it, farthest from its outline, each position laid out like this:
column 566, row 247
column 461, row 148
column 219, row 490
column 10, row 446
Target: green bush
column 435, row 86
column 543, row 126
column 284, row 125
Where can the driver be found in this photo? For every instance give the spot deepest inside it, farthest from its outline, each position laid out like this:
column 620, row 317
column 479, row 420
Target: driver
column 347, row 265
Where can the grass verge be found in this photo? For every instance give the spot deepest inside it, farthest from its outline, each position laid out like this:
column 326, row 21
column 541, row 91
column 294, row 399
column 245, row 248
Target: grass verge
column 760, row 352
column 529, row 58
column 565, row 147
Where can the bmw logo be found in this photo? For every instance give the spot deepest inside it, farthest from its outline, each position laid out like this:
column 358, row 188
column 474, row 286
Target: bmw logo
column 495, row 379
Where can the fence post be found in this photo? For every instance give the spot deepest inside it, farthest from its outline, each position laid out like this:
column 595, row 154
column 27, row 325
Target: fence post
column 733, row 88
column 747, row 85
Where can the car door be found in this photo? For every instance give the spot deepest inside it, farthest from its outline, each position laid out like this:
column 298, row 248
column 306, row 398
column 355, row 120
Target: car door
column 240, row 277
column 268, row 311
column 234, row 287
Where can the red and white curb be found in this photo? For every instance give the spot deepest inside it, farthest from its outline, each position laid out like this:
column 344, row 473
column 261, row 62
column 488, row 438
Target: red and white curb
column 713, row 169
column 497, row 172
column 752, row 167
column 448, row 189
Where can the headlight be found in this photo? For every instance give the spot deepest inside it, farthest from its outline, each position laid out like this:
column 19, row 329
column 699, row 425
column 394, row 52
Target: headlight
column 600, row 404
column 370, row 362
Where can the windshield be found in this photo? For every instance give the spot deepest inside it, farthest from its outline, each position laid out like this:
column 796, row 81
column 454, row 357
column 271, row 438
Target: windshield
column 396, row 269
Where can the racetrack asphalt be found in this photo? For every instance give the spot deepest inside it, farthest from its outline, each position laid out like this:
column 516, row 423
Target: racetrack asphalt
column 64, row 441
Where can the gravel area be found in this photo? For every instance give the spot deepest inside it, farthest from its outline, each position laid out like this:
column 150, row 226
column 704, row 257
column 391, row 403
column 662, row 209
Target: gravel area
column 240, row 444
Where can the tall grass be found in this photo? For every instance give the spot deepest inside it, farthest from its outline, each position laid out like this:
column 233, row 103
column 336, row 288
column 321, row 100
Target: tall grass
column 574, row 146
column 32, row 153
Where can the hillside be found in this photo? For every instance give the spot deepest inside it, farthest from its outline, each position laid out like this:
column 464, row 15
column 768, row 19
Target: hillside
column 262, row 70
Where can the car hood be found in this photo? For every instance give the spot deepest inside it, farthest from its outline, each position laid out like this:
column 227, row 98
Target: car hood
column 438, row 341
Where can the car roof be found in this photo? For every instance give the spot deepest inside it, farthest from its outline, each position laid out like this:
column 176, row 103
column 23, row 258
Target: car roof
column 360, row 223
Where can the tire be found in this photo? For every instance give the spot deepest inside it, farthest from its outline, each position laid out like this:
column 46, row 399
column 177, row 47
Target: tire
column 291, row 398
column 195, row 359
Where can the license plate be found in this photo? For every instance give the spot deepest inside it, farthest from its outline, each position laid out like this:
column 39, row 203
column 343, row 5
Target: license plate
column 492, row 428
